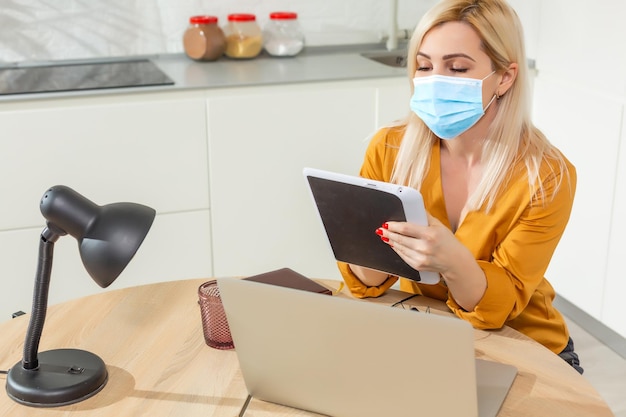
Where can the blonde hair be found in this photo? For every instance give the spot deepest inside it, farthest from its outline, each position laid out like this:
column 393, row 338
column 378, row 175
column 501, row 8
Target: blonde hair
column 511, row 134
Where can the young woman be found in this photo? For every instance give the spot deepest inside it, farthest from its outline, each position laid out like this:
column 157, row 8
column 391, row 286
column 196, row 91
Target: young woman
column 498, row 194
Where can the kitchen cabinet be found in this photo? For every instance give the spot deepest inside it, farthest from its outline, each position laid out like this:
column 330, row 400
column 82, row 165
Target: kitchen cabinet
column 584, row 114
column 222, row 168
column 260, row 138
column 146, row 148
column 578, row 269
column 615, row 287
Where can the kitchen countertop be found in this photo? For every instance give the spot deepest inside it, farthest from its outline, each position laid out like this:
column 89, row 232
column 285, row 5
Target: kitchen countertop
column 314, row 64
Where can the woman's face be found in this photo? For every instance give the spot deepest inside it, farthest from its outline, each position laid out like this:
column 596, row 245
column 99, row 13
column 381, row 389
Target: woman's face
column 454, row 49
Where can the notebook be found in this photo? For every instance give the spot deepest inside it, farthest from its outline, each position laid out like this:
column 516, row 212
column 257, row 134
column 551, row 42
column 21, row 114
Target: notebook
column 350, row 358
column 287, row 277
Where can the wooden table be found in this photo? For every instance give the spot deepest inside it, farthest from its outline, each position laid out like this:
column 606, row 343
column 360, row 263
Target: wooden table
column 151, row 339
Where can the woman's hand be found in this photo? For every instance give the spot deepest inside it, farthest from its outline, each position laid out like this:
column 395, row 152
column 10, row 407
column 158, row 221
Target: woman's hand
column 435, row 248
column 425, row 248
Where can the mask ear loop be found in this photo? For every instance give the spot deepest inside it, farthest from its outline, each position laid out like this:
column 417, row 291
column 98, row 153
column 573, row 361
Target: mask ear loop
column 489, row 75
column 495, row 96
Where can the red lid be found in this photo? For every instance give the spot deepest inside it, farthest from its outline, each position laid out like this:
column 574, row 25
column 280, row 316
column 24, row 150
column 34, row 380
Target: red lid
column 283, row 15
column 241, row 17
column 202, row 20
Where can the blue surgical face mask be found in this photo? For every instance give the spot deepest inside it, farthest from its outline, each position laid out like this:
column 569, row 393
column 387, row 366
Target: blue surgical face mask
column 448, row 105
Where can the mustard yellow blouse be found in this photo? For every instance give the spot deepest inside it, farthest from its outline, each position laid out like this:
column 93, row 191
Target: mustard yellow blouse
column 512, row 244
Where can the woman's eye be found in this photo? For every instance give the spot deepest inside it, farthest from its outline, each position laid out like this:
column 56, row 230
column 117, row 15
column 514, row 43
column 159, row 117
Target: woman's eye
column 423, row 68
column 461, row 70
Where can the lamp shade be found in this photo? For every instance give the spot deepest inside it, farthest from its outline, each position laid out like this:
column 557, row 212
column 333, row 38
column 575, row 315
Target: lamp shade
column 108, row 236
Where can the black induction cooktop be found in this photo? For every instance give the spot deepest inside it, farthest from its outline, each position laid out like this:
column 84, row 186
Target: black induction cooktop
column 81, row 76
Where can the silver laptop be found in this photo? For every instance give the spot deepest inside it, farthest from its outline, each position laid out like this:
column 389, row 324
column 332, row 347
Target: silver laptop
column 351, row 358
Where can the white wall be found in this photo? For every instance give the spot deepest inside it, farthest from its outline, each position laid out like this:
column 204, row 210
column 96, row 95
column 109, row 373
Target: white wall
column 528, row 10
column 580, row 96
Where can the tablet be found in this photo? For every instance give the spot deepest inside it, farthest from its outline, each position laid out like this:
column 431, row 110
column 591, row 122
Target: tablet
column 352, row 208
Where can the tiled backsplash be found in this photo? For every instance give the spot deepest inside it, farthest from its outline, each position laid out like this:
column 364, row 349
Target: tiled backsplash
column 40, row 30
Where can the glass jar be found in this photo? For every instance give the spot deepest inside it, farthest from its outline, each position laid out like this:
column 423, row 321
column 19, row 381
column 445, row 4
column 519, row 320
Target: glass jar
column 244, row 38
column 204, row 40
column 282, row 35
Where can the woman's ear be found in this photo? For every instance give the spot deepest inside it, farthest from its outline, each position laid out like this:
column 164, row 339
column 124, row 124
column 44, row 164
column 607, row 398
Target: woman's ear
column 508, row 77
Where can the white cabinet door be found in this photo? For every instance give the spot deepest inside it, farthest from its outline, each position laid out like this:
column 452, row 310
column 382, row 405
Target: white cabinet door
column 144, row 148
column 260, row 140
column 613, row 306
column 578, row 269
column 583, row 112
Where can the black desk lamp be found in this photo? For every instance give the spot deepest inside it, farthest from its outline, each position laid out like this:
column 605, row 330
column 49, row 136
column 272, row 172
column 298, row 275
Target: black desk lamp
column 108, row 237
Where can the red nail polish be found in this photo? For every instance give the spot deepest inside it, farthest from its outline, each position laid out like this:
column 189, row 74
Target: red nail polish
column 379, row 232
column 385, row 226
column 385, row 239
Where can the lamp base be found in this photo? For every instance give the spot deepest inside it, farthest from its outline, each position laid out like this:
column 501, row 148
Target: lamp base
column 64, row 376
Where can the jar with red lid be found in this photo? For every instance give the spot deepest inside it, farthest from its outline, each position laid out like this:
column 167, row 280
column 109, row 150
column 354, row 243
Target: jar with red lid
column 244, row 38
column 282, row 35
column 204, row 40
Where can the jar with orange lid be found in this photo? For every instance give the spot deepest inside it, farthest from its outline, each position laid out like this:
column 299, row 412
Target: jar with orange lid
column 244, row 38
column 282, row 35
column 204, row 40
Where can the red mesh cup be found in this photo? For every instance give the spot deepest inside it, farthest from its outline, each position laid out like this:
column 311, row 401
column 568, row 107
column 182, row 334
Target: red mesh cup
column 214, row 322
